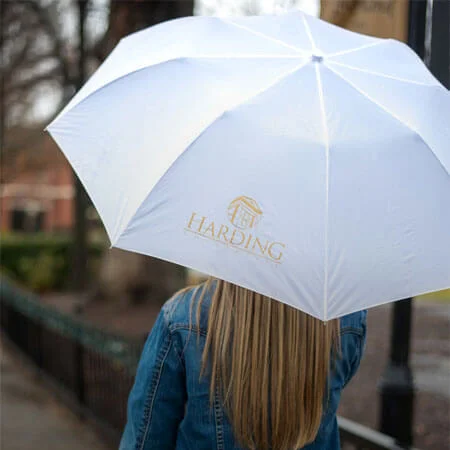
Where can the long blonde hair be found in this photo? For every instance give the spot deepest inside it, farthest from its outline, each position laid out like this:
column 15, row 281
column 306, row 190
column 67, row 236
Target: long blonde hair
column 270, row 364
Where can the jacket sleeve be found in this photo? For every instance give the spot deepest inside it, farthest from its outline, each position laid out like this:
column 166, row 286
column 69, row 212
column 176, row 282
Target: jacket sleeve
column 353, row 339
column 156, row 401
column 355, row 346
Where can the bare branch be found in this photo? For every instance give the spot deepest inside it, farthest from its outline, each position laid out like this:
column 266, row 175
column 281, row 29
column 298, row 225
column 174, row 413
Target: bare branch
column 45, row 19
column 35, row 80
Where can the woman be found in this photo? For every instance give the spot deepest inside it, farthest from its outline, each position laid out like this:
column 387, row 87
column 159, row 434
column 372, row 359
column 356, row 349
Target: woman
column 227, row 368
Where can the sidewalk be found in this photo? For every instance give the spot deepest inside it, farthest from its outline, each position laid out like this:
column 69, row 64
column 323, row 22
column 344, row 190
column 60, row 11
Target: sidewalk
column 30, row 416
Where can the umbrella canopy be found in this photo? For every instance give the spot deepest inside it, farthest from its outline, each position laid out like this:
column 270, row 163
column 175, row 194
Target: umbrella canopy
column 281, row 153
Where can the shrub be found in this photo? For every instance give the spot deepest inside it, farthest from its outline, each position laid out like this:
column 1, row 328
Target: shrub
column 42, row 262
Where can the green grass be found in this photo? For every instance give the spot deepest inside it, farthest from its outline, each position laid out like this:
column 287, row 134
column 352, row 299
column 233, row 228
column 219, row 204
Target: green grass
column 440, row 296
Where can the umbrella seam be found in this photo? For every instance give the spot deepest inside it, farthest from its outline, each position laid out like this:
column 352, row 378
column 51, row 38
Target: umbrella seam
column 394, row 116
column 65, row 108
column 109, row 83
column 249, row 56
column 309, row 34
column 351, row 50
column 327, row 170
column 383, row 75
column 327, row 185
column 265, row 36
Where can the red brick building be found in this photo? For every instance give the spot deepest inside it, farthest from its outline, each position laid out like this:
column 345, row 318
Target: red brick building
column 37, row 189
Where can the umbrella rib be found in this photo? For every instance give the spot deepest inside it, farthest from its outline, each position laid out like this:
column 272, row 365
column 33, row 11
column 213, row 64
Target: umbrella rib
column 327, row 170
column 391, row 114
column 102, row 87
column 351, row 50
column 309, row 34
column 265, row 36
column 249, row 56
column 383, row 75
column 327, row 186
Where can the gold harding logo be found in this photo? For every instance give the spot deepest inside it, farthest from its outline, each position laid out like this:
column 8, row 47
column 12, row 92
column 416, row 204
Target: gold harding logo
column 244, row 214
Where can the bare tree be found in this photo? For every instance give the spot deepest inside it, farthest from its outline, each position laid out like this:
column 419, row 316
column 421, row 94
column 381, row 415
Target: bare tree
column 38, row 67
column 36, row 61
column 126, row 277
column 34, row 55
column 127, row 16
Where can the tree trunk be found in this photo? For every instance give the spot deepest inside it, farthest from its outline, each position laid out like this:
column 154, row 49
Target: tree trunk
column 126, row 277
column 133, row 15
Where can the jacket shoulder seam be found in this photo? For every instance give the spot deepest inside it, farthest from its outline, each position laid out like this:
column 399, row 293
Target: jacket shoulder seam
column 177, row 326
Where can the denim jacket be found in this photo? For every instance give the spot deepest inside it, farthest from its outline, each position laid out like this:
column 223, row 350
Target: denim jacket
column 169, row 406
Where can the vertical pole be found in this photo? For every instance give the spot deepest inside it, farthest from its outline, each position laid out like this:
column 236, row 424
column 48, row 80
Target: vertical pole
column 80, row 244
column 417, row 26
column 79, row 378
column 397, row 385
column 39, row 344
column 440, row 42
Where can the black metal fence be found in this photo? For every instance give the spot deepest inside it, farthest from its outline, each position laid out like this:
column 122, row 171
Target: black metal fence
column 96, row 369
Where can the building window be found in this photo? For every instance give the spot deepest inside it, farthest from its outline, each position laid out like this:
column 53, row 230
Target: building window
column 27, row 220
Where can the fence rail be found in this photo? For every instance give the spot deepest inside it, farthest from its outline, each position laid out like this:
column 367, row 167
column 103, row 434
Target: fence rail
column 358, row 437
column 96, row 369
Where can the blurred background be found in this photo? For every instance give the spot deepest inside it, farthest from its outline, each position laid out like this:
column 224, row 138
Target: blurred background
column 74, row 313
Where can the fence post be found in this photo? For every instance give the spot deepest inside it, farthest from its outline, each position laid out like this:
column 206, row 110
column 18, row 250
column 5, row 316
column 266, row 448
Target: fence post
column 440, row 42
column 40, row 342
column 396, row 386
column 79, row 374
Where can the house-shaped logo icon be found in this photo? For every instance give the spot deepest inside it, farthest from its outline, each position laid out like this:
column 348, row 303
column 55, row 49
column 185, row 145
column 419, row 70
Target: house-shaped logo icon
column 244, row 212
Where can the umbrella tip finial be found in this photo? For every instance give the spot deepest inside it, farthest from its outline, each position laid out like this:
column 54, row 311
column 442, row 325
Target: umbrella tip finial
column 316, row 58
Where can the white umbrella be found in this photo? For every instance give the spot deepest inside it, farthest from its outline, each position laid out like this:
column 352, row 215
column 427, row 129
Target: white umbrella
column 281, row 153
